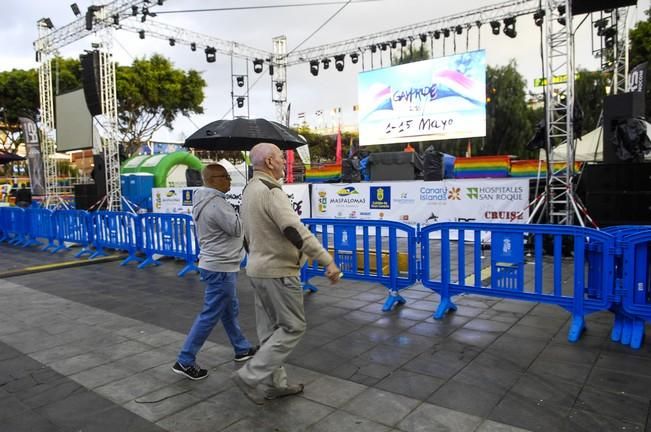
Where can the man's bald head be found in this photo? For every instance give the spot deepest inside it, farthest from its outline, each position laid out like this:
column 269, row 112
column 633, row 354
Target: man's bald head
column 268, row 158
column 215, row 176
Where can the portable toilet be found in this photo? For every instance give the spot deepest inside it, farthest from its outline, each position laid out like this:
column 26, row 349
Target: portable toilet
column 141, row 186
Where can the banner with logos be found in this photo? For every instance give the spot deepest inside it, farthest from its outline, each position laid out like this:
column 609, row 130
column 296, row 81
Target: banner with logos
column 179, row 200
column 34, row 156
column 418, row 202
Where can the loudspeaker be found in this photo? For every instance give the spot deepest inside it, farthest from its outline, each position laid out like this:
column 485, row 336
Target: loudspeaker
column 91, row 81
column 99, row 174
column 86, row 196
column 619, row 207
column 587, row 6
column 433, row 166
column 617, row 108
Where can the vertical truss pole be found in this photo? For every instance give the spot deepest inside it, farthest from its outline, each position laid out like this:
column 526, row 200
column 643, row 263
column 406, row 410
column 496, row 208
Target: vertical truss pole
column 279, row 78
column 620, row 51
column 46, row 96
column 559, row 61
column 110, row 146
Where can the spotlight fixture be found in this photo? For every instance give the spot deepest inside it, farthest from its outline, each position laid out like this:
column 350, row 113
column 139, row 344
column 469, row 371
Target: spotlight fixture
column 403, row 42
column 116, row 19
column 211, row 54
column 240, row 80
column 538, row 17
column 354, row 58
column 326, row 63
column 314, row 67
column 90, row 14
column 600, row 25
column 339, row 62
column 193, row 46
column 561, row 11
column 610, row 34
column 75, row 9
column 495, row 27
column 373, row 48
column 257, row 65
column 240, row 102
column 423, row 37
column 509, row 27
column 458, row 29
column 160, row 2
column 141, row 34
column 437, row 34
column 279, row 86
column 446, row 32
column 394, row 44
column 48, row 23
column 383, row 46
column 172, row 42
column 271, row 67
column 134, row 10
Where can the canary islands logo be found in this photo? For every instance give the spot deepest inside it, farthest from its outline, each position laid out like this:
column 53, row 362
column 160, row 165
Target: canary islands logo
column 380, row 197
column 348, row 190
column 454, row 193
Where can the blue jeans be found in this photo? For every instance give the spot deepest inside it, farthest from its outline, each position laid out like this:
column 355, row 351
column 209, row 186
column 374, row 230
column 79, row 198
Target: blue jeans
column 220, row 303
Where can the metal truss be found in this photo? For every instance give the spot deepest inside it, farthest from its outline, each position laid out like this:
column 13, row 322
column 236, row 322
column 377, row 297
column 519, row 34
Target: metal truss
column 239, row 94
column 279, row 79
column 620, row 55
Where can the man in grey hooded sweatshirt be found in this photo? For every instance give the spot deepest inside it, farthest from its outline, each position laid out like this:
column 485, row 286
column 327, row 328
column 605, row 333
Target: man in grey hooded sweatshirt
column 219, row 231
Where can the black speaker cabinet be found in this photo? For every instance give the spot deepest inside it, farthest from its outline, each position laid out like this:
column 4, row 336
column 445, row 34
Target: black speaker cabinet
column 616, row 108
column 86, row 196
column 619, row 208
column 91, row 81
column 587, row 6
column 99, row 174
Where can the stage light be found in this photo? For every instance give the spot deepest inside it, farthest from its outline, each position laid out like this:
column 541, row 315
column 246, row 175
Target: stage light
column 160, row 2
column 495, row 27
column 240, row 80
column 314, row 67
column 538, row 17
column 354, row 58
column 141, row 34
column 193, row 46
column 134, row 10
column 326, row 63
column 437, row 34
column 394, row 44
column 610, row 34
column 257, row 65
column 373, row 48
column 509, row 27
column 116, row 19
column 403, row 42
column 561, row 11
column 279, row 86
column 240, row 102
column 211, row 54
column 271, row 67
column 172, row 42
column 75, row 9
column 90, row 14
column 423, row 37
column 446, row 32
column 383, row 46
column 458, row 29
column 339, row 62
column 48, row 23
column 600, row 25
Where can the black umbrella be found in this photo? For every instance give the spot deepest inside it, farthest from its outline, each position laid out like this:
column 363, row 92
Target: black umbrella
column 6, row 158
column 243, row 134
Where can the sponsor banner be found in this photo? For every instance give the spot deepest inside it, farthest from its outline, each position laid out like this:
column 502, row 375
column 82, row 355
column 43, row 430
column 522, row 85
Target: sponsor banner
column 34, row 156
column 424, row 203
column 179, row 200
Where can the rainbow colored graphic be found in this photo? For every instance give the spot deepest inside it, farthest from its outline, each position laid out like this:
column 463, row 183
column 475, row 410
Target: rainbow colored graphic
column 325, row 173
column 529, row 168
column 482, row 166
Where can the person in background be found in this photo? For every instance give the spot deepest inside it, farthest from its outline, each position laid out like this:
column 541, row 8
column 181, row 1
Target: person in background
column 23, row 197
column 219, row 231
column 278, row 244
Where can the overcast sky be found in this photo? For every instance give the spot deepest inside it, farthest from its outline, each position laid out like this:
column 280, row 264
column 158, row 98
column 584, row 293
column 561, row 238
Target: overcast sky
column 256, row 28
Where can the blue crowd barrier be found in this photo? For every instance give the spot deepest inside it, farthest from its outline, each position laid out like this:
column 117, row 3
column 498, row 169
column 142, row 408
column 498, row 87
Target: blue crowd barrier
column 513, row 274
column 14, row 226
column 367, row 250
column 169, row 235
column 116, row 230
column 73, row 226
column 41, row 226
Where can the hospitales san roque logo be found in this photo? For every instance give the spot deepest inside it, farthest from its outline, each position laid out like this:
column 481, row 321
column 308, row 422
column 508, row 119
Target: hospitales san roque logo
column 495, row 193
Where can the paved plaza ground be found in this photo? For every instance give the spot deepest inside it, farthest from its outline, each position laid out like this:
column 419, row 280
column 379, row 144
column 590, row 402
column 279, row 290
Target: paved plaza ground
column 89, row 348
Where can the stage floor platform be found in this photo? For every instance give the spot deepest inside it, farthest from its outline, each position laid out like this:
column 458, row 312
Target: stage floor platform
column 90, row 348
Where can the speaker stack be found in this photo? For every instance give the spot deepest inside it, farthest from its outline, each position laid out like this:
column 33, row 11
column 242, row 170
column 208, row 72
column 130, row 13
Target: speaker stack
column 90, row 79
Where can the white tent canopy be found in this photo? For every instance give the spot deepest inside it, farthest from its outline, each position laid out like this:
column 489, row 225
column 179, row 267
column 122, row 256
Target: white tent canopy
column 589, row 148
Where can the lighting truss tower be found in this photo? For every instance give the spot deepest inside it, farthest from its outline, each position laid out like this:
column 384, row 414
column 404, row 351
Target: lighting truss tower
column 48, row 149
column 240, row 92
column 619, row 66
column 559, row 98
column 279, row 78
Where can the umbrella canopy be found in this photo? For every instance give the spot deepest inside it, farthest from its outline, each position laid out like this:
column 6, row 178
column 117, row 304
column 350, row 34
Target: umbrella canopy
column 243, row 134
column 6, row 158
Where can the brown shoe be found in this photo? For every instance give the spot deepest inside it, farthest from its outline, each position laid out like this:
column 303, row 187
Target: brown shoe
column 249, row 391
column 275, row 393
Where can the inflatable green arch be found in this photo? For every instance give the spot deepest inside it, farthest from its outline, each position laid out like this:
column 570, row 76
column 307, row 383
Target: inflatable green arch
column 160, row 165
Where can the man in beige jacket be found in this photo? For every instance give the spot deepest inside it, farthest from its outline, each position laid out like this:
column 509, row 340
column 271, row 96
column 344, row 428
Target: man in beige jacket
column 278, row 244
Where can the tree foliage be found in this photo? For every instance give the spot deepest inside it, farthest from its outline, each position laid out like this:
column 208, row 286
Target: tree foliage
column 589, row 93
column 640, row 52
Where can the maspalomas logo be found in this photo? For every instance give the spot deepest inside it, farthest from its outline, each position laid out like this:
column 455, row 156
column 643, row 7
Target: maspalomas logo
column 348, row 190
column 454, row 193
column 348, row 196
column 170, row 193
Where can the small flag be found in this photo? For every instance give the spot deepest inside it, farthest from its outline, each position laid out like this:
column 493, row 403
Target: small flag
column 355, row 107
column 336, row 110
column 301, row 116
column 338, row 149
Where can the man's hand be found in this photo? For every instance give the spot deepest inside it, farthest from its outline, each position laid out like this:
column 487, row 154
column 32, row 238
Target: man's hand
column 333, row 273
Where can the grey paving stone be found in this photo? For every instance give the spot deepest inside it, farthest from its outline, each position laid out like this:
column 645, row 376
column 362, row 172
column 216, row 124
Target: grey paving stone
column 129, row 388
column 292, row 413
column 118, row 419
column 543, row 389
column 100, row 375
column 487, row 325
column 161, row 403
column 207, row 416
column 342, row 421
column 333, row 392
column 380, row 406
column 251, row 424
column 45, row 394
column 585, row 421
column 530, row 414
column 467, row 398
column 606, row 379
column 410, row 384
column 31, row 423
column 57, row 353
column 73, row 411
column 619, row 405
column 431, row 418
column 76, row 364
column 480, row 339
column 491, row 426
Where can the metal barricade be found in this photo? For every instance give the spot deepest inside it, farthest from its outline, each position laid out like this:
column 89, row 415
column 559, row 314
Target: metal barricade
column 116, row 230
column 490, row 260
column 41, row 226
column 169, row 235
column 73, row 226
column 383, row 252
